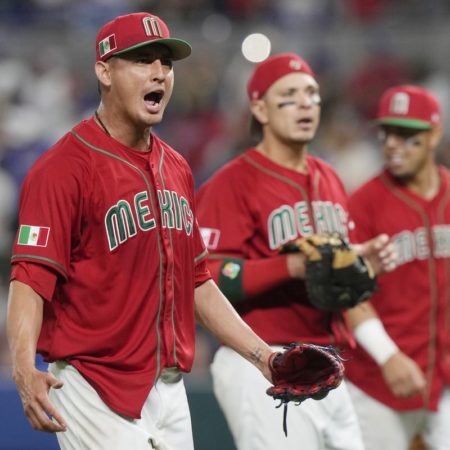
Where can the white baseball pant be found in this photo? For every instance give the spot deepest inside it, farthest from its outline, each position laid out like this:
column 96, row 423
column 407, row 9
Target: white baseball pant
column 165, row 422
column 256, row 423
column 399, row 427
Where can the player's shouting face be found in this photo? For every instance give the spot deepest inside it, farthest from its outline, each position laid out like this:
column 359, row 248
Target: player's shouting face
column 139, row 84
column 290, row 109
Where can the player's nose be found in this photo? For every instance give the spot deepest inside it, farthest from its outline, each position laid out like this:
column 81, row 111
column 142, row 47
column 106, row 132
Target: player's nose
column 393, row 140
column 157, row 70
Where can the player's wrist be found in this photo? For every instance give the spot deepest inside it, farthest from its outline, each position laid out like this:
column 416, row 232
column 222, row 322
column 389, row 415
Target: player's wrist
column 372, row 336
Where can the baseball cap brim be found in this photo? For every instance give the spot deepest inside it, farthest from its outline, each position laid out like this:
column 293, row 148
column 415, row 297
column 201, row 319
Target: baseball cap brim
column 406, row 123
column 180, row 49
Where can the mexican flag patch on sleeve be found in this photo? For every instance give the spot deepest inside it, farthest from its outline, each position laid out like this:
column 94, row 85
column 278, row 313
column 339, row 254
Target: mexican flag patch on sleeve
column 34, row 236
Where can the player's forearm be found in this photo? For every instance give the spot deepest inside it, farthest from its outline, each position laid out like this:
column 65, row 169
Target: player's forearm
column 24, row 321
column 240, row 279
column 217, row 315
column 360, row 313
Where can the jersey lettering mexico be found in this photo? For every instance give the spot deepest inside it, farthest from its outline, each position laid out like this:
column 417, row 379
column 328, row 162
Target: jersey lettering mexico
column 119, row 229
column 248, row 210
column 413, row 301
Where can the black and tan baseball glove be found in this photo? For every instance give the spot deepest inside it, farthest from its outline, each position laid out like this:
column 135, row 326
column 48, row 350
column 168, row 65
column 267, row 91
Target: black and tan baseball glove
column 336, row 277
column 304, row 371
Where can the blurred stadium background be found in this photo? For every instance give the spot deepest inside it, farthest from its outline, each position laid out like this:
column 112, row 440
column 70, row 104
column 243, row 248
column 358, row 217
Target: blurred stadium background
column 356, row 47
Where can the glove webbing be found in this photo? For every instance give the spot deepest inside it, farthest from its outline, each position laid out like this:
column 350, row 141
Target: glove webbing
column 286, row 400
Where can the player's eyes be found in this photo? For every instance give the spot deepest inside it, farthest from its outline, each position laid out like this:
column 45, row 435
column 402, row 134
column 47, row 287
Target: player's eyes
column 146, row 59
column 287, row 94
column 315, row 98
column 167, row 62
column 151, row 59
column 311, row 96
column 407, row 136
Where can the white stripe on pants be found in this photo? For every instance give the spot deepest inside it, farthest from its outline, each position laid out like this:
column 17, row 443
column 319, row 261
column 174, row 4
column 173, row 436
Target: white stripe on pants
column 92, row 425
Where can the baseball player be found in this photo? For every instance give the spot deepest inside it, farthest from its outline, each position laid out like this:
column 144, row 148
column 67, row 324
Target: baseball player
column 400, row 373
column 109, row 267
column 271, row 194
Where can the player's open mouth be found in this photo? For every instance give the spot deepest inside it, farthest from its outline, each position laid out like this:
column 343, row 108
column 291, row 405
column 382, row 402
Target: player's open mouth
column 396, row 160
column 306, row 123
column 154, row 98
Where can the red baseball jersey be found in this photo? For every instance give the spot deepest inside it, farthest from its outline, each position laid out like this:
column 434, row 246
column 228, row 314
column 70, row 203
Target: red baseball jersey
column 249, row 209
column 414, row 300
column 119, row 229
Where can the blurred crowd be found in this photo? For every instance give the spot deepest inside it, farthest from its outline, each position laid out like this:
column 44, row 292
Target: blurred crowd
column 357, row 48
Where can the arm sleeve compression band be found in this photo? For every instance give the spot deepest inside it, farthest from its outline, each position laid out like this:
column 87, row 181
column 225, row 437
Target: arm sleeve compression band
column 372, row 336
column 239, row 279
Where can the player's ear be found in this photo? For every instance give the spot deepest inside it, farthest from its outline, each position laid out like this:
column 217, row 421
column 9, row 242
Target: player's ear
column 259, row 111
column 436, row 136
column 102, row 72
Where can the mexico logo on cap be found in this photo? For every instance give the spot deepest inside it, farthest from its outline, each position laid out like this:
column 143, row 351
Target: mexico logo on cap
column 295, row 65
column 152, row 27
column 399, row 103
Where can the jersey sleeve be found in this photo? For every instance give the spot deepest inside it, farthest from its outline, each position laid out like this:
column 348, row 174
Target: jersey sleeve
column 362, row 216
column 224, row 216
column 226, row 224
column 40, row 278
column 202, row 272
column 50, row 211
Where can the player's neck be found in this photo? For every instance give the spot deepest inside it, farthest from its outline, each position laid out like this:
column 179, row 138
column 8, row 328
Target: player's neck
column 289, row 156
column 131, row 137
column 425, row 183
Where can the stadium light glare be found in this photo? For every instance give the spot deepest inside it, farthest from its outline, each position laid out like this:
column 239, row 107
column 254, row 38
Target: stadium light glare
column 256, row 47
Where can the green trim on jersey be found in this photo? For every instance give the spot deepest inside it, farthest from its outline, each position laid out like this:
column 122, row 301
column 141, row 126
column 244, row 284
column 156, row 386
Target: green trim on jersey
column 288, row 181
column 230, row 279
column 277, row 176
column 432, row 275
column 174, row 350
column 202, row 255
column 41, row 258
column 147, row 183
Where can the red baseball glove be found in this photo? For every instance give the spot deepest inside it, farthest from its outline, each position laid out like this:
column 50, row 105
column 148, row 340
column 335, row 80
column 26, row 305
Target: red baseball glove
column 304, row 371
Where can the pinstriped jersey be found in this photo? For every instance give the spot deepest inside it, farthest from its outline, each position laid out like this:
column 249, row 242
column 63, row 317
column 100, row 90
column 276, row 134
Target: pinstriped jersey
column 413, row 301
column 119, row 229
column 249, row 209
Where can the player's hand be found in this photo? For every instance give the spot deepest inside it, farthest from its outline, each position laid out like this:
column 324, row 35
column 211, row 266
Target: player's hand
column 33, row 386
column 403, row 376
column 296, row 265
column 380, row 252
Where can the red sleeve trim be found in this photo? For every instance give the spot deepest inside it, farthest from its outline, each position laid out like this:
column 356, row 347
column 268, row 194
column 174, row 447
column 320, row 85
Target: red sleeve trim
column 40, row 261
column 40, row 278
column 202, row 273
